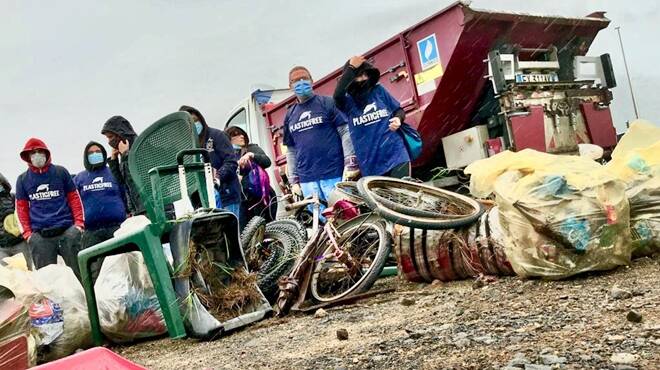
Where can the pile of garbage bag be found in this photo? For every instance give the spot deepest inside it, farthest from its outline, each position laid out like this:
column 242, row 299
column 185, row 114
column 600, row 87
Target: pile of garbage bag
column 43, row 313
column 53, row 302
column 636, row 161
column 563, row 215
column 127, row 302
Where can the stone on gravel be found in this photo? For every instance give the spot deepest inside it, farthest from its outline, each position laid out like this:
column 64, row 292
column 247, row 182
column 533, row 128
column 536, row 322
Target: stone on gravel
column 552, row 359
column 623, row 358
column 615, row 338
column 342, row 334
column 320, row 313
column 618, row 293
column 486, row 339
column 519, row 359
column 407, row 302
column 634, row 316
column 537, row 367
column 464, row 342
column 624, row 367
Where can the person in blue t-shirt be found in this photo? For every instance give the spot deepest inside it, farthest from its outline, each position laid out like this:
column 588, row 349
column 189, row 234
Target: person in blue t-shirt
column 374, row 118
column 319, row 149
column 102, row 198
column 49, row 209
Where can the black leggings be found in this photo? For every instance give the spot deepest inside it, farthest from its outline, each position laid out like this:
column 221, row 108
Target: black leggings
column 399, row 171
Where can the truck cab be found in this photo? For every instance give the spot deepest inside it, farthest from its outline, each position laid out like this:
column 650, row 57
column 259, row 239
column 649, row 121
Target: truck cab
column 249, row 116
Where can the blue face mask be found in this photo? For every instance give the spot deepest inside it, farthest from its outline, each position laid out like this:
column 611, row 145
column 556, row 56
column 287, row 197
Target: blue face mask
column 199, row 127
column 303, row 88
column 236, row 146
column 95, row 158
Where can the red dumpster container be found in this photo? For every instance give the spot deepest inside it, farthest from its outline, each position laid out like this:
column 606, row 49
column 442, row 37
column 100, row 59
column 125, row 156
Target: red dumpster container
column 436, row 69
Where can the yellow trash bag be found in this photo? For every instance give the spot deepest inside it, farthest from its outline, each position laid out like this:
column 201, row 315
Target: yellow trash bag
column 637, row 152
column 10, row 224
column 562, row 215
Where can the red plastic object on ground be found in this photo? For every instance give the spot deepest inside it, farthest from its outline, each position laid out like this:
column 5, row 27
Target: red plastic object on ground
column 98, row 358
column 13, row 335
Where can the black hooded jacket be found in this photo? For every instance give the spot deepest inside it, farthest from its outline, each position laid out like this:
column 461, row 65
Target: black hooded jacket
column 359, row 92
column 7, row 201
column 223, row 158
column 122, row 128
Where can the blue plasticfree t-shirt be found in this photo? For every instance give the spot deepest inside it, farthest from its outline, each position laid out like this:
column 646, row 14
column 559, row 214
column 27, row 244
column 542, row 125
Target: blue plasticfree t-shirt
column 47, row 194
column 311, row 128
column 102, row 198
column 378, row 149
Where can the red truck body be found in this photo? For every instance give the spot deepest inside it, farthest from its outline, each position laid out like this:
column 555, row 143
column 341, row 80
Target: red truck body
column 442, row 99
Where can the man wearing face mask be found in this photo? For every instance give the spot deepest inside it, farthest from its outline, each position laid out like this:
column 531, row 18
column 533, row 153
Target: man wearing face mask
column 223, row 160
column 102, row 198
column 121, row 136
column 319, row 148
column 49, row 208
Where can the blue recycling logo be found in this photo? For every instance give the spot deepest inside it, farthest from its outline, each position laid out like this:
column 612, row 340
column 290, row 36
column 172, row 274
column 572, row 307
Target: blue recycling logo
column 428, row 51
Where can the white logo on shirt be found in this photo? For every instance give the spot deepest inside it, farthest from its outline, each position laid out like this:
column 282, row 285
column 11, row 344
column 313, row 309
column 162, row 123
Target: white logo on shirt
column 369, row 108
column 305, row 122
column 43, row 192
column 97, row 184
column 370, row 115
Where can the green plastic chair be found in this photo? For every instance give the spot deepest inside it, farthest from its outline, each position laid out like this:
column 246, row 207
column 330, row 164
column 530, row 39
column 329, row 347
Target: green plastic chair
column 153, row 165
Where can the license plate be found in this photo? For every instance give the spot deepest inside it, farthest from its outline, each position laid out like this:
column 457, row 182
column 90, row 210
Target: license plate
column 537, row 78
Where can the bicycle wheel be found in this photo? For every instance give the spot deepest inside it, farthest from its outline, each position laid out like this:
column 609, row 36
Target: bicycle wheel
column 366, row 244
column 418, row 205
column 345, row 190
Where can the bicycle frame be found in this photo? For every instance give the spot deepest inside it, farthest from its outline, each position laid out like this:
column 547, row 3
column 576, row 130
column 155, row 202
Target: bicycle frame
column 293, row 288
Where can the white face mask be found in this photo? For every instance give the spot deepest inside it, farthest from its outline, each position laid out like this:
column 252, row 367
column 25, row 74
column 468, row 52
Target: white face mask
column 38, row 159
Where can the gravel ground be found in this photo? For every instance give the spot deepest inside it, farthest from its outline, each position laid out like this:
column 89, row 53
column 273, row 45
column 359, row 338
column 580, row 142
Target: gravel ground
column 583, row 323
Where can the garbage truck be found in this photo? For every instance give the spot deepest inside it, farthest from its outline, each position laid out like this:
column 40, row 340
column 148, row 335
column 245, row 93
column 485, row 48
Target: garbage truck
column 474, row 83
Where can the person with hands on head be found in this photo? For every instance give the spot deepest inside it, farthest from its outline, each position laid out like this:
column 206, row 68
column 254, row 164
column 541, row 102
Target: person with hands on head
column 319, row 148
column 223, row 160
column 49, row 209
column 121, row 136
column 374, row 118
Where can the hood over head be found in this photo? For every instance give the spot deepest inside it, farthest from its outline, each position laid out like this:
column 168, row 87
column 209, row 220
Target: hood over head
column 359, row 91
column 192, row 110
column 120, row 126
column 233, row 130
column 33, row 144
column 4, row 183
column 92, row 167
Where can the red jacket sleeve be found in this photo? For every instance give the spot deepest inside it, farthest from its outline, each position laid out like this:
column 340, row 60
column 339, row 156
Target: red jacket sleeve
column 23, row 212
column 76, row 208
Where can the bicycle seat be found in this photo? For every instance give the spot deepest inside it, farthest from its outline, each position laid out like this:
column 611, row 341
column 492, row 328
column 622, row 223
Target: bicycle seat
column 328, row 212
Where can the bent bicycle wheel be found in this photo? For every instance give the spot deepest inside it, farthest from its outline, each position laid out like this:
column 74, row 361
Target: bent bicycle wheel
column 365, row 246
column 418, row 205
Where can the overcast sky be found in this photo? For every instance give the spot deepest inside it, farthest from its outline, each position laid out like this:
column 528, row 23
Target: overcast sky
column 67, row 66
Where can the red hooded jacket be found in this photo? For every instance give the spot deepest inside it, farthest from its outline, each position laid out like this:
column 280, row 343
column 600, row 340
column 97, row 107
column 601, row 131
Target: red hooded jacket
column 23, row 205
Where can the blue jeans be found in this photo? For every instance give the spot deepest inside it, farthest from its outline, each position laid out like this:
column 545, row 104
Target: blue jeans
column 235, row 209
column 322, row 187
